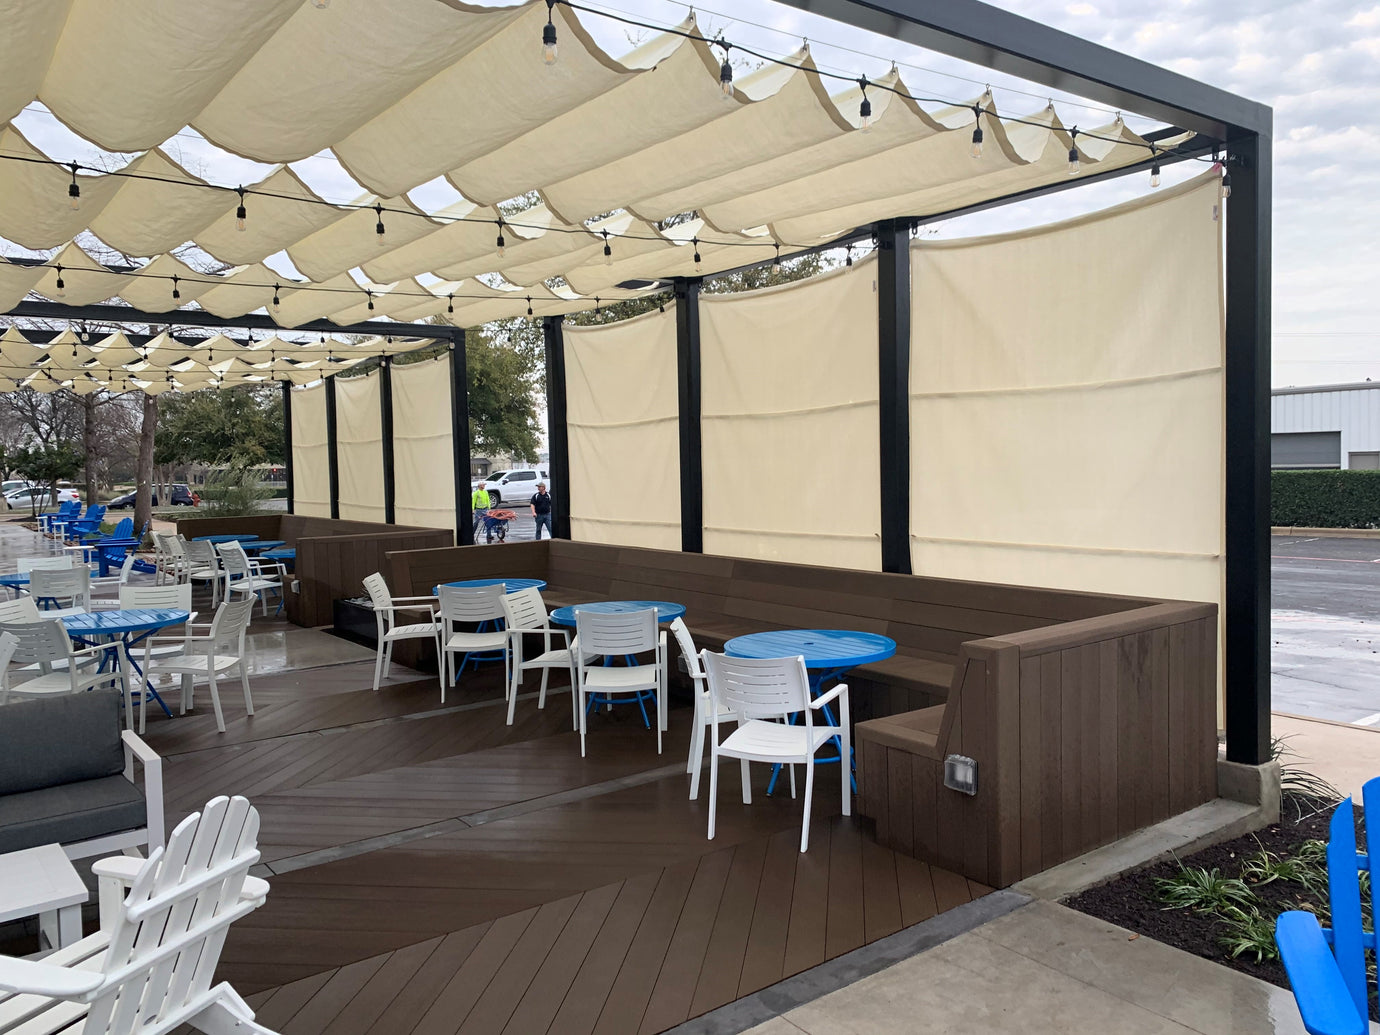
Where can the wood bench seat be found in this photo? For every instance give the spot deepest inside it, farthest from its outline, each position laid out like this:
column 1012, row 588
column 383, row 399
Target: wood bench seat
column 916, row 732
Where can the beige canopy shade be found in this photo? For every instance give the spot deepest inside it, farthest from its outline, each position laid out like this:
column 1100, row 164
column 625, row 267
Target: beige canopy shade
column 779, row 162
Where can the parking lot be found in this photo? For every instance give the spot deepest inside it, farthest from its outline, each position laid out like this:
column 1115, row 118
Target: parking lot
column 1325, row 626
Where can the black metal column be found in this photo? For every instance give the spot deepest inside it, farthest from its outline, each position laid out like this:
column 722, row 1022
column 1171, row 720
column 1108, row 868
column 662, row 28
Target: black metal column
column 557, row 436
column 688, row 398
column 1247, row 647
column 287, row 442
column 893, row 373
column 460, row 438
column 390, row 510
column 332, row 448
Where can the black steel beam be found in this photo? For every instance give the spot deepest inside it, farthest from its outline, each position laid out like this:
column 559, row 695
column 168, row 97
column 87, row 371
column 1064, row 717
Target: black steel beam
column 390, row 510
column 687, row 292
column 1247, row 647
column 893, row 381
column 557, row 435
column 332, row 448
column 287, row 443
column 1006, row 42
column 460, row 438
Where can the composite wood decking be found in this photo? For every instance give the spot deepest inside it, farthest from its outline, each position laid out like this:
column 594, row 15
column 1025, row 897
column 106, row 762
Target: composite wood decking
column 435, row 870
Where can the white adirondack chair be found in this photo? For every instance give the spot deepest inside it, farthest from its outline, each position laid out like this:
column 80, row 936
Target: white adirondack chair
column 149, row 969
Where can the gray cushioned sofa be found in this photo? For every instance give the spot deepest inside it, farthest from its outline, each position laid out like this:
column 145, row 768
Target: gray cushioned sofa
column 67, row 777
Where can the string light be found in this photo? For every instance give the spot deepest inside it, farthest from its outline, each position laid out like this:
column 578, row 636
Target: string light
column 1154, row 167
column 277, row 304
column 608, row 252
column 975, row 149
column 776, row 259
column 371, row 299
column 175, row 293
column 848, row 256
column 725, row 71
column 450, row 305
column 529, row 305
column 699, row 263
column 865, row 108
column 74, row 190
column 499, row 244
column 1073, row 151
column 240, row 214
column 548, row 36
column 60, row 288
column 1226, row 183
column 379, row 228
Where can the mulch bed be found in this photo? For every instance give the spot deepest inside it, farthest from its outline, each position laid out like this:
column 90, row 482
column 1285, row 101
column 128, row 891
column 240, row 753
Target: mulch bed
column 1131, row 901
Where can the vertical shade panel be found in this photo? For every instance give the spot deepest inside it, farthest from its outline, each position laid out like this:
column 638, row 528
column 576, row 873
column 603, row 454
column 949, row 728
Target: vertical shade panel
column 310, row 462
column 359, row 437
column 423, row 468
column 623, row 421
column 790, row 419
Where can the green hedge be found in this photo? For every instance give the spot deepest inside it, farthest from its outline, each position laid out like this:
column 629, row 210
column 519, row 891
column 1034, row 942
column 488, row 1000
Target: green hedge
column 1325, row 499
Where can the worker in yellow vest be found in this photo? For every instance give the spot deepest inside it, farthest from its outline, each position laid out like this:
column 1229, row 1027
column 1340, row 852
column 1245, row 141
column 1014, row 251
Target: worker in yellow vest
column 480, row 504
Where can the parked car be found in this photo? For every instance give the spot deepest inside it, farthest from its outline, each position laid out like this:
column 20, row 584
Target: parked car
column 23, row 499
column 514, row 486
column 182, row 496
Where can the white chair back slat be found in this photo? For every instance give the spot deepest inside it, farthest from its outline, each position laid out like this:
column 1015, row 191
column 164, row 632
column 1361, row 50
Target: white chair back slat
column 381, row 599
column 28, row 564
column 525, row 609
column 233, row 560
column 687, row 650
column 21, row 609
column 470, row 605
column 758, row 688
column 41, row 642
column 629, row 632
column 200, row 554
column 231, row 621
column 170, row 595
column 69, row 587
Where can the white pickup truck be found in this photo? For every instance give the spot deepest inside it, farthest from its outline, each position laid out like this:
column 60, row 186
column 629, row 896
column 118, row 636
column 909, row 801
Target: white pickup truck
column 514, row 487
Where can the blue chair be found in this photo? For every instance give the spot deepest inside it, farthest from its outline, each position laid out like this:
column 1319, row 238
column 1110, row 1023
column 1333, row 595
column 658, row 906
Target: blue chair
column 66, row 512
column 123, row 530
column 95, row 514
column 1327, row 968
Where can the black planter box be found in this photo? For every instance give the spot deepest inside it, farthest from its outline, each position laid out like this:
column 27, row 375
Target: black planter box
column 355, row 621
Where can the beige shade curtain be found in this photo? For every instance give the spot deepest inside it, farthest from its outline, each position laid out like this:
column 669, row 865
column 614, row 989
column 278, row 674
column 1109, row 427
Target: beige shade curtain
column 1067, row 402
column 359, row 447
column 311, row 479
column 423, row 461
column 622, row 417
column 789, row 421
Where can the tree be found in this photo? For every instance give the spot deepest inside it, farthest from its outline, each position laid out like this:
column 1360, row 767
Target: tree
column 46, row 465
column 237, row 427
column 143, row 472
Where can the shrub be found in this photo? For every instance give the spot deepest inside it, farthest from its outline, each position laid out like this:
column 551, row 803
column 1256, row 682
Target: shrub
column 1325, row 499
column 233, row 494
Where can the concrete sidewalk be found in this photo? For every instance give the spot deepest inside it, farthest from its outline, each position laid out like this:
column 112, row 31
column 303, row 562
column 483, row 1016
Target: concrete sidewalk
column 1344, row 755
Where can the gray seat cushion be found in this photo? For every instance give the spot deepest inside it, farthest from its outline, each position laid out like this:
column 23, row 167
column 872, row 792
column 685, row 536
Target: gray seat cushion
column 70, row 813
column 60, row 740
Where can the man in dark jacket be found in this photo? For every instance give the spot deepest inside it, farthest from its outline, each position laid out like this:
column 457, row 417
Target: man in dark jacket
column 541, row 512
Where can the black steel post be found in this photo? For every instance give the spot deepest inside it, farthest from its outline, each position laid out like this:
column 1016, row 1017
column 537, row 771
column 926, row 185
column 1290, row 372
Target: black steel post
column 287, row 442
column 557, row 436
column 460, row 438
column 332, row 448
column 687, row 292
column 893, row 377
column 1247, row 646
column 390, row 510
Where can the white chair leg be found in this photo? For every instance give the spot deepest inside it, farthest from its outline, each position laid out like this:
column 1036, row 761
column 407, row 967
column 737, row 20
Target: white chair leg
column 658, row 724
column 388, row 659
column 513, row 692
column 213, row 681
column 809, row 796
column 581, row 710
column 541, row 697
column 846, row 770
column 747, row 781
column 244, row 681
column 188, row 693
column 713, row 787
column 574, row 703
column 378, row 667
column 696, row 761
column 436, row 640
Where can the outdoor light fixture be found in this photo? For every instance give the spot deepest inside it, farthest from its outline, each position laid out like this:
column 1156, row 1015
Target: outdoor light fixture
column 848, row 256
column 239, row 212
column 865, row 108
column 960, row 774
column 450, row 306
column 726, row 72
column 1154, row 166
column 74, row 190
column 975, row 149
column 379, row 227
column 699, row 265
column 176, row 293
column 278, row 305
column 499, row 244
column 548, row 36
column 776, row 259
column 1226, row 184
column 371, row 300
column 1073, row 151
column 529, row 305
column 60, row 288
column 608, row 252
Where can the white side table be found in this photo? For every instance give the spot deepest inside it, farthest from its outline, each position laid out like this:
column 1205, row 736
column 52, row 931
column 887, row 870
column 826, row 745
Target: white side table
column 43, row 881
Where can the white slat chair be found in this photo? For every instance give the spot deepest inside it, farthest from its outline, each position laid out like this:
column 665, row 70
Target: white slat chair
column 250, row 578
column 68, row 588
column 386, row 608
column 149, row 969
column 218, row 652
column 201, row 565
column 116, row 582
column 471, row 606
column 705, row 712
column 599, row 635
column 62, row 668
column 526, row 617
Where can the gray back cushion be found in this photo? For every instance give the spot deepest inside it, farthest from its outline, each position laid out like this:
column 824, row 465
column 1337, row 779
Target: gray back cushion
column 59, row 740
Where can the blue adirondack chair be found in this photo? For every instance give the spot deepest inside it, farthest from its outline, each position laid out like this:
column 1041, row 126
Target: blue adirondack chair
column 123, row 530
column 1327, row 968
column 91, row 522
column 65, row 512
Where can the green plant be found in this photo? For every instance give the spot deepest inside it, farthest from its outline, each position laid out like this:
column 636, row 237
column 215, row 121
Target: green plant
column 1248, row 934
column 1308, row 792
column 1267, row 867
column 1194, row 887
column 1325, row 499
column 237, row 493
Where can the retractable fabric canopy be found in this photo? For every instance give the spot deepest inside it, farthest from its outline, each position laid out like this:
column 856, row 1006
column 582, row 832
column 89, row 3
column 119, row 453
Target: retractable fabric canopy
column 404, row 91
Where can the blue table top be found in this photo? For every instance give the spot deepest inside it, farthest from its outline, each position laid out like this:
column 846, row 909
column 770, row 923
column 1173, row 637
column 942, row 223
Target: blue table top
column 288, row 554
column 22, row 579
column 511, row 585
column 821, row 648
column 116, row 623
column 666, row 611
column 265, row 544
column 224, row 538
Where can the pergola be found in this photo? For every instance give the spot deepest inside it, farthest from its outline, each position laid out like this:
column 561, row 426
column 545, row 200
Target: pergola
column 792, row 174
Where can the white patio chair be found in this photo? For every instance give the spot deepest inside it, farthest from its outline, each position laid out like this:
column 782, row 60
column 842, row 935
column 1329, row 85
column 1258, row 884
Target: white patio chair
column 21, row 609
column 202, row 565
column 28, row 564
column 149, row 968
column 760, row 690
column 115, row 582
column 249, row 578
column 599, row 635
column 704, row 708
column 471, row 606
column 208, row 656
column 177, row 565
column 386, row 608
column 526, row 617
column 62, row 668
column 68, row 588
column 164, row 566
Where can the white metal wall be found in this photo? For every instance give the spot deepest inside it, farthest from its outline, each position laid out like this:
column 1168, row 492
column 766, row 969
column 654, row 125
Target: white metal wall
column 1355, row 412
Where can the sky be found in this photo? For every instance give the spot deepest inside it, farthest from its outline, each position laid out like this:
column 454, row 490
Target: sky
column 1316, row 62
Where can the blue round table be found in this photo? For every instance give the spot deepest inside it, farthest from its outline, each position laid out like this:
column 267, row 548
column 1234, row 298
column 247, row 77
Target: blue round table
column 123, row 629
column 666, row 611
column 224, row 538
column 510, row 585
column 288, row 553
column 19, row 581
column 828, row 654
column 262, row 544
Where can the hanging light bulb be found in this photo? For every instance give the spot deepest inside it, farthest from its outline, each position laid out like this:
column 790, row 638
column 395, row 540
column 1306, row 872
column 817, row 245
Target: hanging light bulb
column 450, row 303
column 548, row 36
column 1073, row 151
column 1154, row 166
column 176, row 293
column 699, row 264
column 1226, row 184
column 848, row 256
column 60, row 288
column 240, row 213
column 529, row 305
column 74, row 190
column 371, row 300
column 277, row 305
column 379, row 228
column 776, row 259
column 499, row 244
column 865, row 108
column 975, row 148
column 726, row 72
column 608, row 252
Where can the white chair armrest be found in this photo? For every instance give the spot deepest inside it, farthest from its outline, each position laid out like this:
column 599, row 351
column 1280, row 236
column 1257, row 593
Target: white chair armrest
column 37, row 978
column 93, row 650
column 135, row 748
column 123, row 869
column 839, row 691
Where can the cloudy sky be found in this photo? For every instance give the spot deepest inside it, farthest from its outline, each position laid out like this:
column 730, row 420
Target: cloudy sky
column 1316, row 62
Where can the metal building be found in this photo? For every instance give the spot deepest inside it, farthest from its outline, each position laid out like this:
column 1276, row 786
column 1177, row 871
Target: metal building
column 1326, row 426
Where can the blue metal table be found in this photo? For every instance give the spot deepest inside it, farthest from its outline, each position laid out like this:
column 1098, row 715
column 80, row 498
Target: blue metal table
column 224, row 538
column 828, row 653
column 100, row 546
column 19, row 581
column 510, row 585
column 262, row 544
column 666, row 611
column 122, row 630
column 288, row 553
